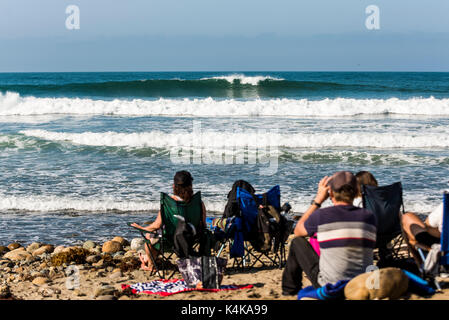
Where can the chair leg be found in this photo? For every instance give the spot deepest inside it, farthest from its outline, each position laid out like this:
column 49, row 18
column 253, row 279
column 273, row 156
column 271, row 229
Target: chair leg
column 153, row 260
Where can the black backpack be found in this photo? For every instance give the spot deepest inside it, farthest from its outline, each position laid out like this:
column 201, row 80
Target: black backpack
column 232, row 208
column 271, row 224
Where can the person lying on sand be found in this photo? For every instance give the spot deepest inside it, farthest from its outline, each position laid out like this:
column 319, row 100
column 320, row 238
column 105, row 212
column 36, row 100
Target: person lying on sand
column 182, row 191
column 346, row 236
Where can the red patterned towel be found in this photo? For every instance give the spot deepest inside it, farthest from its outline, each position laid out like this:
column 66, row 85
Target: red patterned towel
column 168, row 287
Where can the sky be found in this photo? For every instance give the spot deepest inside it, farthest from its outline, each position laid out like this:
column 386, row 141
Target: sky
column 213, row 35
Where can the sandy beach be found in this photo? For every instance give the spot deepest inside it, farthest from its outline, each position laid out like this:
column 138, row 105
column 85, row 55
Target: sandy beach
column 33, row 273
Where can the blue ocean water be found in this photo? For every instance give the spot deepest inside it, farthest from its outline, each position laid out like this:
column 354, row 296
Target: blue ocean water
column 83, row 153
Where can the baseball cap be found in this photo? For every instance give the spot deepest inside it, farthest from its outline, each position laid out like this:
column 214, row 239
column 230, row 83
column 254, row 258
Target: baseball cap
column 342, row 178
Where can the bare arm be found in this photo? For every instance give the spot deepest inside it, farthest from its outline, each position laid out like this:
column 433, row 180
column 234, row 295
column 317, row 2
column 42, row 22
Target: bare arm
column 157, row 224
column 321, row 196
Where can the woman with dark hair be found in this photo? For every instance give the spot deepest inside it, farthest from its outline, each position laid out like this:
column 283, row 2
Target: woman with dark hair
column 182, row 191
column 363, row 178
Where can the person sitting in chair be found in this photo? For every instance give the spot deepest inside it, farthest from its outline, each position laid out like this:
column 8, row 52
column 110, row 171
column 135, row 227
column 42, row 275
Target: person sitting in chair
column 363, row 178
column 182, row 191
column 427, row 232
column 346, row 236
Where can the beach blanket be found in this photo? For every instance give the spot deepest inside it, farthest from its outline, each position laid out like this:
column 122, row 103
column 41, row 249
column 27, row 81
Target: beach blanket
column 168, row 287
column 329, row 291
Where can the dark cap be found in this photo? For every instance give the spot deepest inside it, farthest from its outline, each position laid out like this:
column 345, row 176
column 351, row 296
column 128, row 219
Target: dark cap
column 183, row 178
column 342, row 178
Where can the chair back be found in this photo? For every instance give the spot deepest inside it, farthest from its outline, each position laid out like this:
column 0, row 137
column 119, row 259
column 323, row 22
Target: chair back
column 249, row 204
column 444, row 260
column 385, row 202
column 191, row 211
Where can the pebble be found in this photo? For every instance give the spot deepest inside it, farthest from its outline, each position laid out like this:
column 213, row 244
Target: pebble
column 93, row 259
column 3, row 250
column 104, row 290
column 14, row 245
column 111, row 247
column 98, row 264
column 89, row 245
column 32, row 247
column 40, row 281
column 116, row 275
column 46, row 292
column 43, row 249
column 130, row 253
column 5, row 292
column 137, row 243
column 58, row 249
column 106, row 297
column 17, row 254
column 121, row 240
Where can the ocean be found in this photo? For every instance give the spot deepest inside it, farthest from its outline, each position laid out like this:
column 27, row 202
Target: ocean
column 81, row 154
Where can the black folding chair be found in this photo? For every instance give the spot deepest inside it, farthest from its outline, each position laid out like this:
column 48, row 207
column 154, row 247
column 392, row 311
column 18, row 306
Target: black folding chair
column 387, row 204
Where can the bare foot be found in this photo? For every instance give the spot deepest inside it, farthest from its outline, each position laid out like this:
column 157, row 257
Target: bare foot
column 145, row 263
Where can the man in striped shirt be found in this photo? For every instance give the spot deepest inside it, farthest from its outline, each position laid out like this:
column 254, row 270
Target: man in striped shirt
column 346, row 236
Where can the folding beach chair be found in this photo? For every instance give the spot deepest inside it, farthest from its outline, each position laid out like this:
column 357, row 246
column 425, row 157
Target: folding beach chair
column 170, row 208
column 387, row 204
column 443, row 255
column 241, row 231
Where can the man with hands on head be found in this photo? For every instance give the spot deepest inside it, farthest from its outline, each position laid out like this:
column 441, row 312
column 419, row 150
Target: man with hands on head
column 346, row 236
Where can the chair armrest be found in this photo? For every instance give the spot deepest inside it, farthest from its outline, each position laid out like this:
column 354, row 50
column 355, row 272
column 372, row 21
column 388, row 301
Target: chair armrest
column 422, row 247
column 141, row 230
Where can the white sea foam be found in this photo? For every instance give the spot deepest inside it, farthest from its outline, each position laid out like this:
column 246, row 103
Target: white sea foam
column 33, row 203
column 12, row 104
column 219, row 140
column 54, row 203
column 252, row 80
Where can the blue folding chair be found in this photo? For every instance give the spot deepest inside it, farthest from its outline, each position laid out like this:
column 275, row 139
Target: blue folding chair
column 443, row 259
column 241, row 230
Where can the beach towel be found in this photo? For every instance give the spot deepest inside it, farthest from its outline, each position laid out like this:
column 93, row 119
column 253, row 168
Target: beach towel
column 330, row 291
column 168, row 287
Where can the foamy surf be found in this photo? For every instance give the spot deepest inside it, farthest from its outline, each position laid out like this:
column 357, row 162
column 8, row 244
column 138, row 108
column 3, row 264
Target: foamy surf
column 219, row 140
column 58, row 204
column 242, row 79
column 12, row 104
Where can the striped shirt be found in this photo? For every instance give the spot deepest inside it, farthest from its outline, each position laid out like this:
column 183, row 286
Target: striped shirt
column 347, row 236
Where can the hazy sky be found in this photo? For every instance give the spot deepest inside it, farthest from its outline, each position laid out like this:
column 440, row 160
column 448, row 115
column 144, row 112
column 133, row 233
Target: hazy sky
column 147, row 35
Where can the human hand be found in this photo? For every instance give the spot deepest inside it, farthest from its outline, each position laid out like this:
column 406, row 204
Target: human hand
column 323, row 190
column 135, row 225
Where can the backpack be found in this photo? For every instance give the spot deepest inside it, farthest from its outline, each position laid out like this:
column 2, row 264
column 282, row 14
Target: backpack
column 184, row 238
column 202, row 272
column 271, row 225
column 232, row 208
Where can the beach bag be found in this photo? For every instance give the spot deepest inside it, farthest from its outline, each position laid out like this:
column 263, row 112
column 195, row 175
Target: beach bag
column 202, row 272
column 263, row 238
column 184, row 239
column 271, row 225
column 232, row 208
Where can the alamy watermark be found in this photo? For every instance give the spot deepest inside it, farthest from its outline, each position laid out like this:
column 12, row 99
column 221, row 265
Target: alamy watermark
column 72, row 22
column 373, row 280
column 232, row 146
column 372, row 22
column 73, row 278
